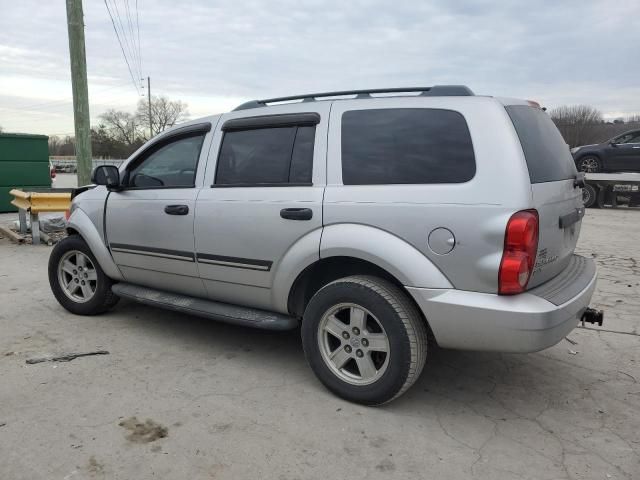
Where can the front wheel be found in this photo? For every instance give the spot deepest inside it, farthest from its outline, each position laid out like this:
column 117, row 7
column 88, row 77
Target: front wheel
column 76, row 279
column 364, row 339
column 589, row 164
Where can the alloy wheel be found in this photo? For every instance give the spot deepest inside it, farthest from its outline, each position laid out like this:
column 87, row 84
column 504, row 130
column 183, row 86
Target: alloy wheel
column 353, row 344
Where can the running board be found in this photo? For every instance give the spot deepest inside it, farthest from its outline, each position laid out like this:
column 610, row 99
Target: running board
column 224, row 312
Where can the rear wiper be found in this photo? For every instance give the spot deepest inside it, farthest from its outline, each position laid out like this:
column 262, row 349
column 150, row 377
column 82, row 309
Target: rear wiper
column 578, row 181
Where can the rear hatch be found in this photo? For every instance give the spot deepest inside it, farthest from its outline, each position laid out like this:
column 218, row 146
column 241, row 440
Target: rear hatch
column 552, row 173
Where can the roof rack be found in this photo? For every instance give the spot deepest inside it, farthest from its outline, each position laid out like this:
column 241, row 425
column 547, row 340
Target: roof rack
column 435, row 91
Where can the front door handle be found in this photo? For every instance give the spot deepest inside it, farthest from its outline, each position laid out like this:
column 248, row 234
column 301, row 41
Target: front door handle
column 296, row 213
column 176, row 209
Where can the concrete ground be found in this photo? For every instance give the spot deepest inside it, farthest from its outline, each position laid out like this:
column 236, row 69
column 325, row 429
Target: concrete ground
column 229, row 403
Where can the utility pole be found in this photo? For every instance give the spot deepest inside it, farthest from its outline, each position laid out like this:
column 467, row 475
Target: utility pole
column 75, row 28
column 149, row 101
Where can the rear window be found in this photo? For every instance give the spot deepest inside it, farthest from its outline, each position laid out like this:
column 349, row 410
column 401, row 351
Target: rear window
column 547, row 154
column 406, row 145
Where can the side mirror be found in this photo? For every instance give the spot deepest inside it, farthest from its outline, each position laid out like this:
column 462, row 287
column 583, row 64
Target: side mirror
column 612, row 143
column 107, row 175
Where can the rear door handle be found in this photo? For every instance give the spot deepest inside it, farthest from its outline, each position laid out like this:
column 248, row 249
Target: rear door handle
column 296, row 213
column 176, row 209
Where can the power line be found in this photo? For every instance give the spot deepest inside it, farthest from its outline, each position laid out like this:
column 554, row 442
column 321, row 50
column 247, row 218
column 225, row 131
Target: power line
column 122, row 48
column 136, row 47
column 125, row 36
column 138, row 30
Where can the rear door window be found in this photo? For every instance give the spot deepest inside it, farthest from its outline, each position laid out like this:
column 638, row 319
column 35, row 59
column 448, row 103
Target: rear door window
column 266, row 156
column 546, row 152
column 406, row 146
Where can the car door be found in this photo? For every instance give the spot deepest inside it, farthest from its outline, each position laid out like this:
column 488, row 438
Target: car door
column 630, row 154
column 149, row 223
column 262, row 199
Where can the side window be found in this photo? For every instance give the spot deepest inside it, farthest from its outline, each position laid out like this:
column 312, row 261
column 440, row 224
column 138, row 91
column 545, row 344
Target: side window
column 406, row 146
column 302, row 156
column 281, row 155
column 172, row 165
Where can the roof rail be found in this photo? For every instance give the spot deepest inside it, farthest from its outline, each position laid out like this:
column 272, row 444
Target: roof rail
column 435, row 91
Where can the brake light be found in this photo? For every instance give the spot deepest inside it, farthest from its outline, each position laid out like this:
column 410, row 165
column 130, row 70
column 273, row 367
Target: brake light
column 52, row 172
column 519, row 255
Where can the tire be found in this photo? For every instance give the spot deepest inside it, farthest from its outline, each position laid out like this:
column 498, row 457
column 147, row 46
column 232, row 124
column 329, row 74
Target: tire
column 66, row 265
column 590, row 196
column 589, row 164
column 388, row 313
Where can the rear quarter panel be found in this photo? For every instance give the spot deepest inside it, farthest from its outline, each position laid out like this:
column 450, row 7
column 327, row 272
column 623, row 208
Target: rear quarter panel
column 476, row 211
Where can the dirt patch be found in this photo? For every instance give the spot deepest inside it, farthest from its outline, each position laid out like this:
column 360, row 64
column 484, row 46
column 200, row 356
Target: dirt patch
column 143, row 432
column 95, row 468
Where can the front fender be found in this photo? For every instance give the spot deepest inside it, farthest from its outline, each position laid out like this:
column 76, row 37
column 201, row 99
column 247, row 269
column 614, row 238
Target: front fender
column 80, row 222
column 399, row 258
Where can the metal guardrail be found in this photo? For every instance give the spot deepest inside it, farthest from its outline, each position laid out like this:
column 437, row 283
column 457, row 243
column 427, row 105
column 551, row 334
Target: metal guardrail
column 35, row 203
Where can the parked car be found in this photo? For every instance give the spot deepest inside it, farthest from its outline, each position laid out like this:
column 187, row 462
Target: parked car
column 619, row 154
column 376, row 223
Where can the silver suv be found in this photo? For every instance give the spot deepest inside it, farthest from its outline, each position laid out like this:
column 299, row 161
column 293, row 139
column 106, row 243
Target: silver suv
column 380, row 222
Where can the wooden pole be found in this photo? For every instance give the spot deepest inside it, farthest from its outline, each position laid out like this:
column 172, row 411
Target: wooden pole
column 75, row 28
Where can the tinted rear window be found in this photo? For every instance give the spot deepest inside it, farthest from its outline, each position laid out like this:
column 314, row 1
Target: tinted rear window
column 547, row 154
column 406, row 145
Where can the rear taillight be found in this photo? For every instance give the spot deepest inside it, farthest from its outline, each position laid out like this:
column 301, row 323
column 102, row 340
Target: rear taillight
column 519, row 256
column 52, row 171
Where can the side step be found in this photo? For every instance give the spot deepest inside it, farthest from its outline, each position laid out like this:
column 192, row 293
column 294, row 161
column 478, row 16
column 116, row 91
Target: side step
column 224, row 312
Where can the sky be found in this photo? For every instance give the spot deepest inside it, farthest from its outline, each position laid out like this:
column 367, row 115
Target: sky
column 214, row 55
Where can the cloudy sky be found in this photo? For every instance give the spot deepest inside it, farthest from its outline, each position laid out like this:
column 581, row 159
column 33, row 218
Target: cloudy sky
column 216, row 54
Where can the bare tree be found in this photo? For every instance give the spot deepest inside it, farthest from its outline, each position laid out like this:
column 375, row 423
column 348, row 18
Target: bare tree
column 578, row 123
column 0, row 128
column 121, row 126
column 165, row 113
column 633, row 119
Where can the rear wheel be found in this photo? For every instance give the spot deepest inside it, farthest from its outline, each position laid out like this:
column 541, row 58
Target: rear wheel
column 589, row 164
column 364, row 339
column 76, row 279
column 590, row 196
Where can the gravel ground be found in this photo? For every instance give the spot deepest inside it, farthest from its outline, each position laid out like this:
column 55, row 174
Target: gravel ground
column 181, row 397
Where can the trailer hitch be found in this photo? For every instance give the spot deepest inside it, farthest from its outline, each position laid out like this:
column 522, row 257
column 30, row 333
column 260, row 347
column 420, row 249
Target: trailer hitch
column 591, row 315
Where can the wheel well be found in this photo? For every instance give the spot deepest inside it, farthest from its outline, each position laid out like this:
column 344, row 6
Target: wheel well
column 72, row 231
column 326, row 270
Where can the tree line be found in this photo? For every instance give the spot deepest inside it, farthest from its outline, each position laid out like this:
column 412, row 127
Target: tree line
column 120, row 133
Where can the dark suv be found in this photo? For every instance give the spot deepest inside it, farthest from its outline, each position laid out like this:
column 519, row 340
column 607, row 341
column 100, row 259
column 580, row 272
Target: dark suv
column 620, row 154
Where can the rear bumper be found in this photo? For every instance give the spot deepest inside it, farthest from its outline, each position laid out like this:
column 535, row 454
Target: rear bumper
column 519, row 323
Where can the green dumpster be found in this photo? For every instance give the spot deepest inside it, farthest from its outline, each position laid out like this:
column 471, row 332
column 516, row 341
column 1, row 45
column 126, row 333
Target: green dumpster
column 24, row 163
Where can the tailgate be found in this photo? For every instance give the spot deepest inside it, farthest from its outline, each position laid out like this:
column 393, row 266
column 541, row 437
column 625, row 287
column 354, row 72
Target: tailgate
column 560, row 211
column 552, row 173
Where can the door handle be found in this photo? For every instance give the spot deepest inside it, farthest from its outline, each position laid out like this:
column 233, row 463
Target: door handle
column 296, row 213
column 176, row 209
